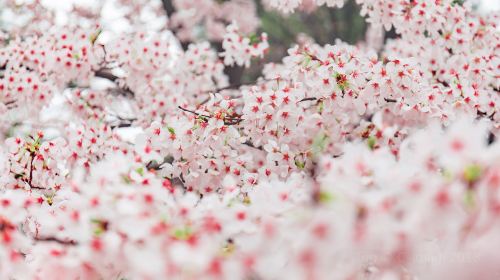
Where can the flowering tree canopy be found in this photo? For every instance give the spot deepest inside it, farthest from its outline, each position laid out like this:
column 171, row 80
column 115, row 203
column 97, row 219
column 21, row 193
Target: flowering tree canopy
column 370, row 161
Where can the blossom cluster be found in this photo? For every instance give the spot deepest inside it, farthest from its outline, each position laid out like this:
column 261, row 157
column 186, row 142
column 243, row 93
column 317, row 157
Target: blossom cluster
column 207, row 19
column 129, row 155
column 239, row 50
column 131, row 222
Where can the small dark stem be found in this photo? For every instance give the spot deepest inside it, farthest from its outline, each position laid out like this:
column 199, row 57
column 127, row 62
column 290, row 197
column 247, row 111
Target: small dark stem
column 106, row 74
column 10, row 102
column 102, row 73
column 308, row 99
column 30, row 179
column 56, row 240
column 250, row 144
column 227, row 120
column 193, row 112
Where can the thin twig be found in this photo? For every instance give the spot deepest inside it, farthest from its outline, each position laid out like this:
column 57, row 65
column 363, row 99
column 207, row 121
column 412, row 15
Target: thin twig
column 102, row 73
column 106, row 74
column 193, row 112
column 30, row 179
column 227, row 120
column 308, row 99
column 56, row 240
column 250, row 144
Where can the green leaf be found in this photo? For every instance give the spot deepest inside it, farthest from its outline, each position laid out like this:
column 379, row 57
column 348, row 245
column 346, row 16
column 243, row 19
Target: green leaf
column 95, row 36
column 321, row 106
column 472, row 173
column 228, row 249
column 300, row 164
column 342, row 82
column 319, row 144
column 307, row 60
column 140, row 170
column 254, row 39
column 171, row 130
column 371, row 141
column 202, row 118
column 99, row 227
column 126, row 179
column 325, row 197
column 447, row 174
column 182, row 233
column 72, row 84
column 247, row 200
column 49, row 198
column 469, row 199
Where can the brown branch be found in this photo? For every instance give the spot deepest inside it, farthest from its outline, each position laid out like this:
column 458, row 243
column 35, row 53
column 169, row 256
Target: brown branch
column 10, row 102
column 106, row 74
column 193, row 112
column 120, row 125
column 30, row 179
column 56, row 240
column 308, row 99
column 250, row 144
column 314, row 57
column 121, row 122
column 169, row 8
column 35, row 187
column 389, row 100
column 483, row 114
column 101, row 73
column 491, row 138
column 227, row 120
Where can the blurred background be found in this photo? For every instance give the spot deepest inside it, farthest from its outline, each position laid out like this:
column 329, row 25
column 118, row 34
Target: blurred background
column 323, row 25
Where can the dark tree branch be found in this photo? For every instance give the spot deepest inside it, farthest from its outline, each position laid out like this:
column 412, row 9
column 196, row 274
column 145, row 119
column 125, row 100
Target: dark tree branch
column 30, row 179
column 483, row 114
column 308, row 99
column 106, row 74
column 121, row 122
column 169, row 8
column 10, row 104
column 227, row 120
column 56, row 240
column 250, row 144
column 194, row 113
column 102, row 73
column 120, row 125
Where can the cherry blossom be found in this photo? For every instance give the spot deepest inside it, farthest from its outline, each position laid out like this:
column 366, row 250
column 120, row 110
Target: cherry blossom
column 207, row 19
column 239, row 50
column 127, row 154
